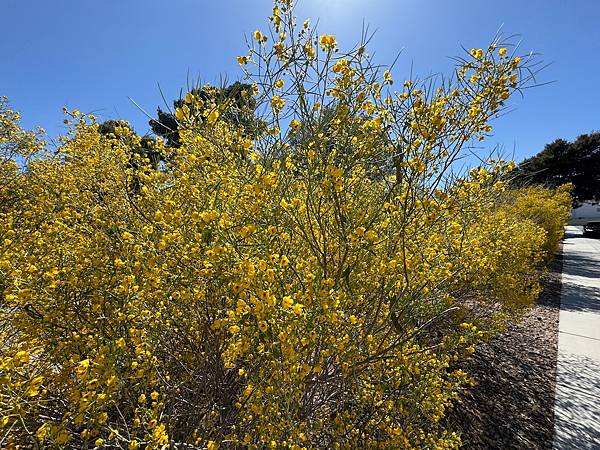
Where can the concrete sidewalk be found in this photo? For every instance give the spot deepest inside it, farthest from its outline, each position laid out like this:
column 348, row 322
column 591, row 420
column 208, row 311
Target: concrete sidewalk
column 577, row 408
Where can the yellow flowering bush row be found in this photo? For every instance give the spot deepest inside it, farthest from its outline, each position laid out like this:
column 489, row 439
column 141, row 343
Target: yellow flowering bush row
column 548, row 208
column 309, row 287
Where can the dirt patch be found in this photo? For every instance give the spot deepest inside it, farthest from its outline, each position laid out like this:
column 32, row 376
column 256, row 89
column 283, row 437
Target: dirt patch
column 512, row 403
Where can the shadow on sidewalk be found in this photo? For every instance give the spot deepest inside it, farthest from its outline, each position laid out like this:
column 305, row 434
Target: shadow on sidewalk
column 577, row 399
column 580, row 298
column 586, row 267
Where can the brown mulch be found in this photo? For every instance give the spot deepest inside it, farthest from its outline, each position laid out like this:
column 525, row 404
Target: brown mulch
column 511, row 405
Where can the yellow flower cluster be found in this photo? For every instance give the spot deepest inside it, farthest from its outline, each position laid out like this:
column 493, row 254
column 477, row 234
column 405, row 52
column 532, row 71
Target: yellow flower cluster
column 311, row 291
column 327, row 42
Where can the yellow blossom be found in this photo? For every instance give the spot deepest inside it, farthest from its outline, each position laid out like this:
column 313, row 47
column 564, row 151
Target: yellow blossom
column 327, row 42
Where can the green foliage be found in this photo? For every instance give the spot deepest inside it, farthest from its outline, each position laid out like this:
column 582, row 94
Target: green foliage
column 235, row 99
column 564, row 162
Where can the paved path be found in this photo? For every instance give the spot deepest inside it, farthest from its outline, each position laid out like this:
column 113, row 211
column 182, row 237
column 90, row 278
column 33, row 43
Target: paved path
column 577, row 409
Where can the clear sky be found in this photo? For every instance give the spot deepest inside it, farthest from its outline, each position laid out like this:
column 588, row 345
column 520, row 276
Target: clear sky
column 93, row 55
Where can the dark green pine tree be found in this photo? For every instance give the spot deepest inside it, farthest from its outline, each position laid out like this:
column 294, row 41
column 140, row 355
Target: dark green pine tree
column 563, row 162
column 144, row 153
column 239, row 108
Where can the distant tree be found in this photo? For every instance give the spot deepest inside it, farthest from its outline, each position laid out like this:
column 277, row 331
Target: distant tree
column 237, row 104
column 325, row 134
column 142, row 151
column 563, row 162
column 146, row 147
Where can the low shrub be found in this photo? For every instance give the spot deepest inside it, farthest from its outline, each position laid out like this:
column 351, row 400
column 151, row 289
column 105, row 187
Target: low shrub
column 548, row 208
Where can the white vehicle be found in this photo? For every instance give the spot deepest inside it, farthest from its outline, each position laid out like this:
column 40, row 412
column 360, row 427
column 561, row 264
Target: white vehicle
column 584, row 214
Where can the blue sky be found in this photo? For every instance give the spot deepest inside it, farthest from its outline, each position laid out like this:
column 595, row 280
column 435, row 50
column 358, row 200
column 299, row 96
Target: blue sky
column 94, row 55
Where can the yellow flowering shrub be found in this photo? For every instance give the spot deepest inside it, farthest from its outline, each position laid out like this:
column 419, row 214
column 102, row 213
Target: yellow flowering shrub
column 309, row 287
column 17, row 146
column 548, row 208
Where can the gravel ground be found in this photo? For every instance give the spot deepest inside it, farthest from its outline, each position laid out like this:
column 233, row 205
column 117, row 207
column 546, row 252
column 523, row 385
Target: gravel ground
column 512, row 404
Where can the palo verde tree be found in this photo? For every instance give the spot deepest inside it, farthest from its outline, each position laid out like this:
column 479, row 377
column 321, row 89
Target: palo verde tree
column 238, row 302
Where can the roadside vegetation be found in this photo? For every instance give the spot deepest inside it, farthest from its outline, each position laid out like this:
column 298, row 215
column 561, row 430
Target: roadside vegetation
column 308, row 277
